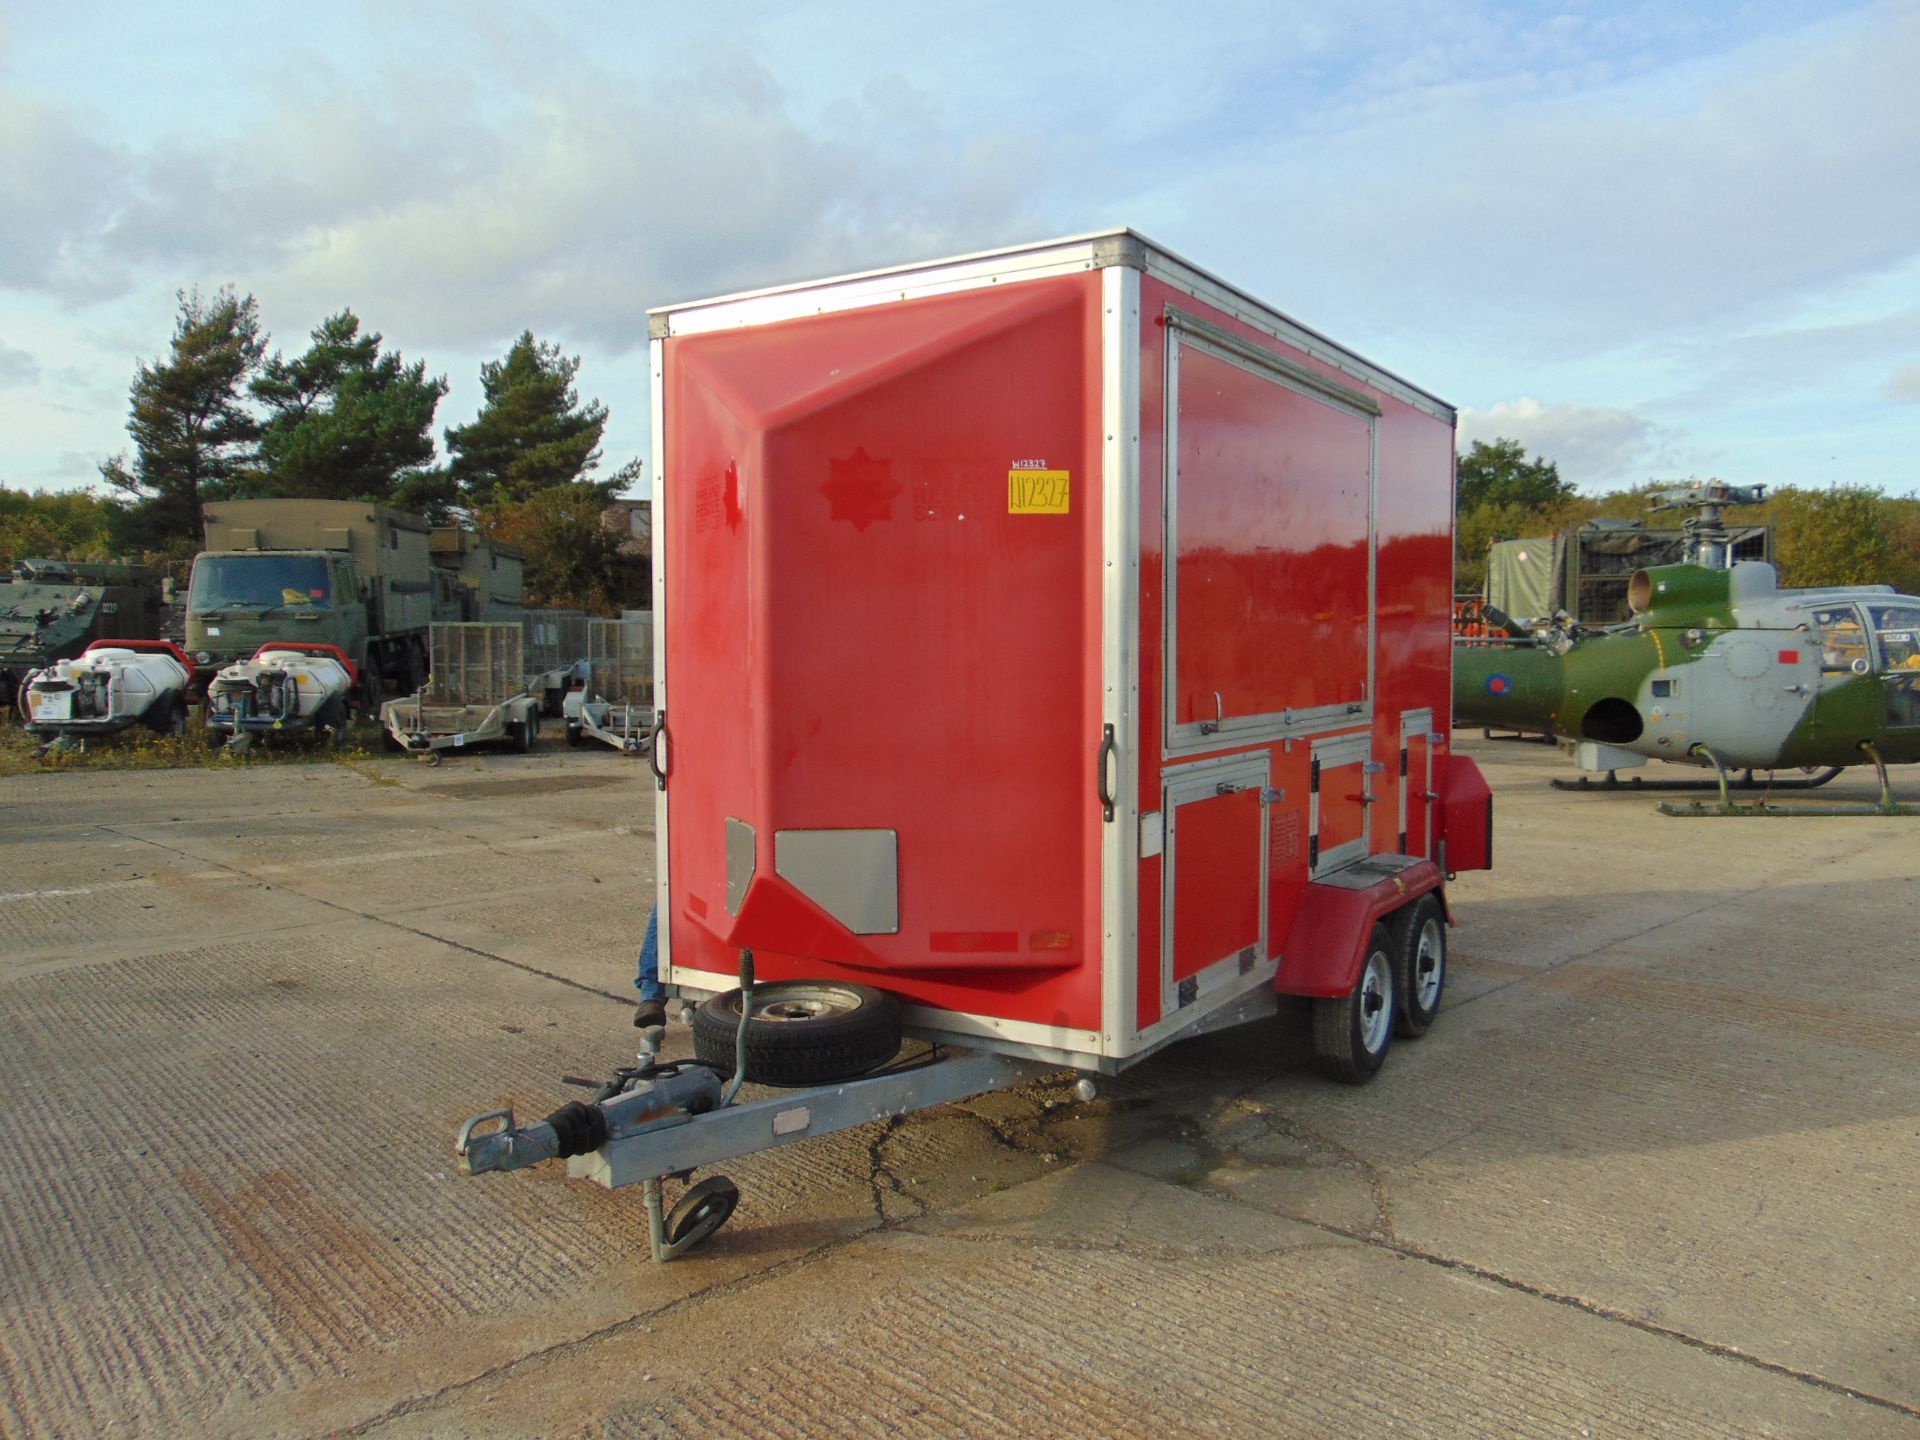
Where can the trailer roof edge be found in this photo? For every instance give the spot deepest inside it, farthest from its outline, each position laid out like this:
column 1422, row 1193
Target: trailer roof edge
column 1093, row 250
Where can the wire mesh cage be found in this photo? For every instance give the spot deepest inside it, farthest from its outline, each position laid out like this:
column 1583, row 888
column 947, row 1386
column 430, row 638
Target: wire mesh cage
column 621, row 654
column 555, row 639
column 477, row 663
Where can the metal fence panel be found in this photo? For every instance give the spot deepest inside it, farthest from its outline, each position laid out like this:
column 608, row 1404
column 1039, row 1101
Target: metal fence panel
column 621, row 652
column 476, row 663
column 555, row 639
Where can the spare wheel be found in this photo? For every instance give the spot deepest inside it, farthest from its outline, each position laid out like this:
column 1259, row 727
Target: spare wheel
column 801, row 1032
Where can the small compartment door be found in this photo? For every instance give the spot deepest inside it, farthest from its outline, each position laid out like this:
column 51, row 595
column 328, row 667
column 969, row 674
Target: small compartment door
column 1416, row 783
column 1339, row 802
column 1214, row 903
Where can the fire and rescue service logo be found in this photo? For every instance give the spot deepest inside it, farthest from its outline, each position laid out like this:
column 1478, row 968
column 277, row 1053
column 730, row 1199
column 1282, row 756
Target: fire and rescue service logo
column 861, row 489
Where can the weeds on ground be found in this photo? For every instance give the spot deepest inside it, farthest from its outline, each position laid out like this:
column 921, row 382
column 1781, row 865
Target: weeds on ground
column 141, row 749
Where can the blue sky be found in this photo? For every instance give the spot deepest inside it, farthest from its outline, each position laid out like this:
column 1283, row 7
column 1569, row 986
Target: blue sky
column 1646, row 239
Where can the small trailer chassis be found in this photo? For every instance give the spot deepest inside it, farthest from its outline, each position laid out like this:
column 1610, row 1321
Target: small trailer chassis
column 663, row 1120
column 627, row 728
column 418, row 728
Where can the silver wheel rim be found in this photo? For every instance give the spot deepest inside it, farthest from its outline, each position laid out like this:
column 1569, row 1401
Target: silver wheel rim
column 1429, row 966
column 800, row 1003
column 1376, row 1002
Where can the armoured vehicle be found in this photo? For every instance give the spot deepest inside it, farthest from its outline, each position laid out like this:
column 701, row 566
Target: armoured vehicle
column 53, row 609
column 1718, row 668
column 365, row 578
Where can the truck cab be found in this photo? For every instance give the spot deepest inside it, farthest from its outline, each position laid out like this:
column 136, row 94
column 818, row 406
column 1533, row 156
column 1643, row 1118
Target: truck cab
column 239, row 600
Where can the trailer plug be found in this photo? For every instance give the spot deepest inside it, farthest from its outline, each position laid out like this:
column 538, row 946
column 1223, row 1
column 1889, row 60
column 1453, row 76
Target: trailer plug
column 578, row 1128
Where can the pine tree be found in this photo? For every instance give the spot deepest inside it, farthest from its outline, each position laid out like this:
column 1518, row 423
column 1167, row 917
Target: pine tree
column 531, row 434
column 194, row 437
column 345, row 422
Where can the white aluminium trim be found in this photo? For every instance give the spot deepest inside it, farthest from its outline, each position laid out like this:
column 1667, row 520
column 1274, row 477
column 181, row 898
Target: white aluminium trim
column 879, row 287
column 657, row 385
column 1119, row 641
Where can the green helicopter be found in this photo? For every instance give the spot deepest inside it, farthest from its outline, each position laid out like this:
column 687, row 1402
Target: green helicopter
column 1720, row 668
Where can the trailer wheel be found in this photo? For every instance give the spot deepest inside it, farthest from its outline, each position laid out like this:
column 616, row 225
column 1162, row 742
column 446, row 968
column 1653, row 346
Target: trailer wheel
column 701, row 1211
column 801, row 1032
column 574, row 736
column 1419, row 966
column 167, row 717
column 1351, row 1034
column 522, row 733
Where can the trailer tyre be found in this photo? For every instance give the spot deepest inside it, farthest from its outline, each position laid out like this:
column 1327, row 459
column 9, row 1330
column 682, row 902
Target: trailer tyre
column 801, row 1032
column 701, row 1211
column 1351, row 1034
column 1419, row 966
column 167, row 717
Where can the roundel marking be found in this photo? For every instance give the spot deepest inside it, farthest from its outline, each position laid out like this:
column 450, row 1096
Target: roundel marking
column 1498, row 685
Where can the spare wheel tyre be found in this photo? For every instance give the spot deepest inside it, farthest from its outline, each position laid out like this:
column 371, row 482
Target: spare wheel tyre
column 801, row 1032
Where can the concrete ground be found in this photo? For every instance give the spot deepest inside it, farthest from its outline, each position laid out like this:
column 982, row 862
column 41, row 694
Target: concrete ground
column 1654, row 1171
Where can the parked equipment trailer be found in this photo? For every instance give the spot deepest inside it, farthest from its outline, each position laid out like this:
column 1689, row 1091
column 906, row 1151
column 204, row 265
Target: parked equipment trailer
column 611, row 697
column 1052, row 662
column 476, row 693
column 287, row 688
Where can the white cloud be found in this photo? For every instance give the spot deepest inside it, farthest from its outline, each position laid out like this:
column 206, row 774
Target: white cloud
column 1904, row 383
column 1592, row 444
column 17, row 367
column 449, row 218
column 1603, row 212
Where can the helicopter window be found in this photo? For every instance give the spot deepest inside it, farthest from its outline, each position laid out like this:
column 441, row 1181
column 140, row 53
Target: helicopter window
column 1897, row 627
column 1843, row 639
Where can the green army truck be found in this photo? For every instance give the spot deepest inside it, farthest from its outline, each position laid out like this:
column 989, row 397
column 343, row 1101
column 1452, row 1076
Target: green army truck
column 487, row 576
column 366, row 578
column 53, row 609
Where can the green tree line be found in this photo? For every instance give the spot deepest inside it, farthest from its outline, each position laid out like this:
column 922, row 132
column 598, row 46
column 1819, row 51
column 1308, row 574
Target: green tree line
column 220, row 417
column 1841, row 535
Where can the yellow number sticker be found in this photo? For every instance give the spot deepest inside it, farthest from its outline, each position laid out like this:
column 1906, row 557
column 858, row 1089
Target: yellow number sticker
column 1037, row 492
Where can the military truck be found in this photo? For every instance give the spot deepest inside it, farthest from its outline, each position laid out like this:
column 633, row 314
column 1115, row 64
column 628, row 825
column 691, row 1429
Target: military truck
column 366, row 578
column 1585, row 572
column 488, row 575
column 53, row 609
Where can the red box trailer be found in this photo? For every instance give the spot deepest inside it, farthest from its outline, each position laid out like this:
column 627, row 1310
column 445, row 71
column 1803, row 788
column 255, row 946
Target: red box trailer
column 1056, row 639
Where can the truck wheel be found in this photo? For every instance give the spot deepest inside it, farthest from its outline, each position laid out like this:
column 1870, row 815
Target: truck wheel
column 801, row 1032
column 1351, row 1034
column 370, row 693
column 1419, row 965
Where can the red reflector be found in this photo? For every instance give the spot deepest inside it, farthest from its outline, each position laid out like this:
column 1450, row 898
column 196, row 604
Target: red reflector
column 697, row 906
column 973, row 942
column 1050, row 940
column 1789, row 657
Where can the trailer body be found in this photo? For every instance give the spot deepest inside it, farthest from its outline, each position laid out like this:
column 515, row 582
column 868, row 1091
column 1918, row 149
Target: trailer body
column 1057, row 639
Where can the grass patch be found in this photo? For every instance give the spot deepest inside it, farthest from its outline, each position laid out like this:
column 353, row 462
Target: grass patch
column 199, row 748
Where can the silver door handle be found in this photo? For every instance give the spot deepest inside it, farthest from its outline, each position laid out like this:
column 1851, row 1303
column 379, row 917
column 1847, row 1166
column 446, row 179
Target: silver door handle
column 1212, row 727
